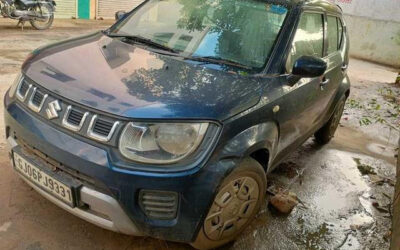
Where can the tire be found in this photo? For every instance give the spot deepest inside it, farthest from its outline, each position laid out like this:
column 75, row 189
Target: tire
column 230, row 214
column 326, row 133
column 44, row 25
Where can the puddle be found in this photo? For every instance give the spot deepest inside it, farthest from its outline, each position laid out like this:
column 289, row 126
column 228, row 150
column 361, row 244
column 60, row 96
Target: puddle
column 348, row 167
column 353, row 140
column 338, row 212
column 314, row 239
column 331, row 199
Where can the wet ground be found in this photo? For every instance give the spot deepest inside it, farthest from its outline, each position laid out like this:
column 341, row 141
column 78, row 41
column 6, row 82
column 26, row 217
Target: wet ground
column 344, row 187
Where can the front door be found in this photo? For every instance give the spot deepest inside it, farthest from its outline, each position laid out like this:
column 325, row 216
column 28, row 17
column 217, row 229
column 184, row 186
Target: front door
column 302, row 104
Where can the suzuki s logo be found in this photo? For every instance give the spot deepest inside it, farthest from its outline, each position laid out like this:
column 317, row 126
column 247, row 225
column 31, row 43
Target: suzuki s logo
column 53, row 109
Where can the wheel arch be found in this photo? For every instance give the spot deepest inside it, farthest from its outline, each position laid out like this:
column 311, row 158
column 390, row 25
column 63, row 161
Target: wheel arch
column 258, row 142
column 347, row 93
column 344, row 87
column 262, row 156
column 343, row 90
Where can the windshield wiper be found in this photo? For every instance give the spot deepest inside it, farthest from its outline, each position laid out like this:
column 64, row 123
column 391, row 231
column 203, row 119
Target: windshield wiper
column 218, row 60
column 145, row 41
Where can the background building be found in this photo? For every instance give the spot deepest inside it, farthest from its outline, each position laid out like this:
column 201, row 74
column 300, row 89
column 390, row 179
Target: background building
column 66, row 9
column 93, row 9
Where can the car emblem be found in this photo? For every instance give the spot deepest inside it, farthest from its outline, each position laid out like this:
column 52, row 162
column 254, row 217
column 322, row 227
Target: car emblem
column 53, row 109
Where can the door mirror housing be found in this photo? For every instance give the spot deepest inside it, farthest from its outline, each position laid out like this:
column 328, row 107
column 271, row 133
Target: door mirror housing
column 119, row 15
column 309, row 66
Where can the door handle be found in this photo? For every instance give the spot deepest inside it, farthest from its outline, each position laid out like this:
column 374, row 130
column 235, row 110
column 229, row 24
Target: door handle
column 324, row 82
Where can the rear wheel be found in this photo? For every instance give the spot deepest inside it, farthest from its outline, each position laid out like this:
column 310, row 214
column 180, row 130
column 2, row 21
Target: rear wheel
column 45, row 18
column 326, row 133
column 237, row 202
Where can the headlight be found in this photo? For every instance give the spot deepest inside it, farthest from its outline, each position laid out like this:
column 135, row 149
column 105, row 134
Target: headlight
column 15, row 84
column 161, row 143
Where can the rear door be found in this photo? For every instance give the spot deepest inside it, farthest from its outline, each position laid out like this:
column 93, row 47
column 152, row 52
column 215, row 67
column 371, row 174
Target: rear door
column 334, row 58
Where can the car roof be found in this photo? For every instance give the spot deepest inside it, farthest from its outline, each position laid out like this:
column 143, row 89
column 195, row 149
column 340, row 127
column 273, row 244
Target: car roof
column 324, row 4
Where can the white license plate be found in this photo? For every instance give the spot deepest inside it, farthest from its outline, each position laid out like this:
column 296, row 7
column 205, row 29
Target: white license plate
column 43, row 180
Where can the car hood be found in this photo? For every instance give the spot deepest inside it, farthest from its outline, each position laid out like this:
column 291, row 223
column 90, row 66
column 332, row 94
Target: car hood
column 126, row 80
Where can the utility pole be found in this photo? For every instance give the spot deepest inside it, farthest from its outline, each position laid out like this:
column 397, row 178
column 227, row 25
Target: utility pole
column 395, row 244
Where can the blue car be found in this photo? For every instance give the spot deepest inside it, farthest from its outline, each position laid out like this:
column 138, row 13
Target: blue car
column 167, row 123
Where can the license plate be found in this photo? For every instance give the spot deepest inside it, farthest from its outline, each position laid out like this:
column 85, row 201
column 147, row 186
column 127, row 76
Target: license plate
column 43, row 180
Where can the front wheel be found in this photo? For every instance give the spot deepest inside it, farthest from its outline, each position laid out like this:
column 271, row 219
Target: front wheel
column 326, row 133
column 238, row 200
column 45, row 16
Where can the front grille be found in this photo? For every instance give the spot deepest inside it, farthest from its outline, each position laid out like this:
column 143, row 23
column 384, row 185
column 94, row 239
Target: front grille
column 75, row 117
column 161, row 205
column 24, row 87
column 37, row 98
column 102, row 127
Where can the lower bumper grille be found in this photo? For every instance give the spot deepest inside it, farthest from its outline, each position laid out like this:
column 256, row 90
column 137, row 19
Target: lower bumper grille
column 161, row 205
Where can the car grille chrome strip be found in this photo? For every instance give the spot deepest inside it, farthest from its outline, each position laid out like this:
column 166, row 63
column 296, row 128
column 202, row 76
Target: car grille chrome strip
column 73, row 119
column 23, row 89
column 37, row 100
column 100, row 132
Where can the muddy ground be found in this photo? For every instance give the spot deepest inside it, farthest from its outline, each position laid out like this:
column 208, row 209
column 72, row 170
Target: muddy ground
column 345, row 186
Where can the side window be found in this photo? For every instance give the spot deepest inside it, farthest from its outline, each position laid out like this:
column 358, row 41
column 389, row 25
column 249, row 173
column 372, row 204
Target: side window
column 308, row 40
column 340, row 29
column 333, row 36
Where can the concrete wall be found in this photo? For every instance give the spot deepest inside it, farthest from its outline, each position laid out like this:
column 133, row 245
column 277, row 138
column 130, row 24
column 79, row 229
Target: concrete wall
column 374, row 29
column 374, row 40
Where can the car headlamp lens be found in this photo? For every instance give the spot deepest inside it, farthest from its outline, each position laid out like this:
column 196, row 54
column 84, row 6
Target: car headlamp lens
column 177, row 139
column 15, row 84
column 161, row 143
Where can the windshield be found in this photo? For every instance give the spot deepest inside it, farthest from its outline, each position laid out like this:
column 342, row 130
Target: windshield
column 241, row 31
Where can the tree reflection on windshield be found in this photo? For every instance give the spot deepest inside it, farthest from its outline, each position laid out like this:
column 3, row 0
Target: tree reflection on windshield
column 241, row 31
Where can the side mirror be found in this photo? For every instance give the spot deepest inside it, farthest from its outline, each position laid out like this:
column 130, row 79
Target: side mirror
column 309, row 66
column 119, row 15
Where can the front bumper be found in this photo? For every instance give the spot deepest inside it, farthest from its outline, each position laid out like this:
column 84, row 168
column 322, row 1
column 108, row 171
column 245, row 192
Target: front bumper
column 115, row 192
column 101, row 210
